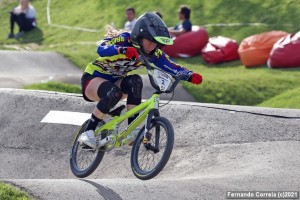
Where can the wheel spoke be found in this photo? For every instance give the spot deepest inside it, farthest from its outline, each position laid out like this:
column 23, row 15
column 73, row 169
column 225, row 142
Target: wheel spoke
column 147, row 159
column 84, row 161
column 85, row 157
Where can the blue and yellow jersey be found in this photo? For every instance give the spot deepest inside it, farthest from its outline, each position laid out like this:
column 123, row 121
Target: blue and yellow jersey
column 117, row 65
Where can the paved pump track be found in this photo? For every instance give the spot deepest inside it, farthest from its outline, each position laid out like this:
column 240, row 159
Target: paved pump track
column 218, row 148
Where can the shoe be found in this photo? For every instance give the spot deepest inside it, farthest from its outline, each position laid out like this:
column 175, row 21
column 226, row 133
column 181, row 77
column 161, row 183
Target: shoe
column 88, row 138
column 20, row 34
column 10, row 35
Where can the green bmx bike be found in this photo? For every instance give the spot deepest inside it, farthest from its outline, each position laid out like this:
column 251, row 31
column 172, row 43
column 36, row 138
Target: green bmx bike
column 153, row 144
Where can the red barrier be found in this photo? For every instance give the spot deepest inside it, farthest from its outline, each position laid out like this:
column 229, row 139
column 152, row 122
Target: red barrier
column 188, row 45
column 220, row 49
column 286, row 52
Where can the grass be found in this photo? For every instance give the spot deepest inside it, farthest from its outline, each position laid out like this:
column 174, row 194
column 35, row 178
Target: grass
column 8, row 192
column 286, row 99
column 55, row 86
column 226, row 83
column 237, row 85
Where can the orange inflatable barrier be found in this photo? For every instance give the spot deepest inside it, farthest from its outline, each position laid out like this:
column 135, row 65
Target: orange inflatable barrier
column 189, row 44
column 255, row 50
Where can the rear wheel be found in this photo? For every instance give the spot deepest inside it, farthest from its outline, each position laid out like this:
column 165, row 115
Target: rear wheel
column 84, row 162
column 147, row 160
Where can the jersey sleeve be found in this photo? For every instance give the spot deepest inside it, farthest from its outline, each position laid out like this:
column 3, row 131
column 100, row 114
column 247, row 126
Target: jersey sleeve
column 109, row 46
column 187, row 25
column 163, row 61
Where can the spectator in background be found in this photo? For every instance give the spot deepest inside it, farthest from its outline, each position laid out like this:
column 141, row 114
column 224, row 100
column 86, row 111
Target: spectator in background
column 24, row 16
column 185, row 26
column 130, row 15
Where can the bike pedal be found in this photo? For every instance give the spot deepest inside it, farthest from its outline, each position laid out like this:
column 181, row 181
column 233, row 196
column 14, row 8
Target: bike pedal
column 86, row 147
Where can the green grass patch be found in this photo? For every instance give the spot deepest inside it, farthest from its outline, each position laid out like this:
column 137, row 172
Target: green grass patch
column 55, row 86
column 288, row 99
column 231, row 83
column 8, row 192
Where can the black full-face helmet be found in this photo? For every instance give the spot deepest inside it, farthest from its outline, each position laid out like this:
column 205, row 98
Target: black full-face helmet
column 151, row 27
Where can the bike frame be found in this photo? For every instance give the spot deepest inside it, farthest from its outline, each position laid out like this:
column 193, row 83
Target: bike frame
column 148, row 108
column 148, row 111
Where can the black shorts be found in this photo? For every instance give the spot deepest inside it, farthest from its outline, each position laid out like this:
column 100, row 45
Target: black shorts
column 85, row 79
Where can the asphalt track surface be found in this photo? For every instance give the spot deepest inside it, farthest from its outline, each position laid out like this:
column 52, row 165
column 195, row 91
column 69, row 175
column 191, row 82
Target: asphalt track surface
column 21, row 68
column 218, row 148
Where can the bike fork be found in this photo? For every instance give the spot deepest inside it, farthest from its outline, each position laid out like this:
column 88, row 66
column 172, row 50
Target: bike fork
column 153, row 113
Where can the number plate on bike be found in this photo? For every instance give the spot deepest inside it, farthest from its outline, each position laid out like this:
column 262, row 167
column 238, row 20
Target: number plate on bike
column 162, row 79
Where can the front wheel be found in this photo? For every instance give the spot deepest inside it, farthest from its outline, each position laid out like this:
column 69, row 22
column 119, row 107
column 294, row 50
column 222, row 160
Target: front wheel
column 147, row 160
column 84, row 162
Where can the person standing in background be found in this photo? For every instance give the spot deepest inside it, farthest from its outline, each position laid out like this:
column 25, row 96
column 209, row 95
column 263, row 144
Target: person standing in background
column 185, row 26
column 24, row 16
column 130, row 15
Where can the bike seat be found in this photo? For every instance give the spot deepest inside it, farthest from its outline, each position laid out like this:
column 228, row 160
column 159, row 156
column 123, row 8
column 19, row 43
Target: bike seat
column 117, row 111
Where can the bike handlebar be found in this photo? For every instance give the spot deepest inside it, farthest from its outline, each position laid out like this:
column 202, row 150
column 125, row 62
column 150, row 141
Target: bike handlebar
column 154, row 85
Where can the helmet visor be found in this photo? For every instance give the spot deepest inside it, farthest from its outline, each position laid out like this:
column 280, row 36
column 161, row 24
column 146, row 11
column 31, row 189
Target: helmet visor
column 164, row 40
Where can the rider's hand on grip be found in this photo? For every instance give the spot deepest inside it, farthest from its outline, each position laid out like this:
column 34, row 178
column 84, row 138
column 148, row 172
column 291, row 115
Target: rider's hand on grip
column 129, row 52
column 195, row 78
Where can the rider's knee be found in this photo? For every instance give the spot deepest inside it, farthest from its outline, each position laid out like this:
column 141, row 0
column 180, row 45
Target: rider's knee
column 132, row 85
column 109, row 95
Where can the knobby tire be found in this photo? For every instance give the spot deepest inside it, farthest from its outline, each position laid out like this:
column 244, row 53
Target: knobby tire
column 138, row 144
column 82, row 173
